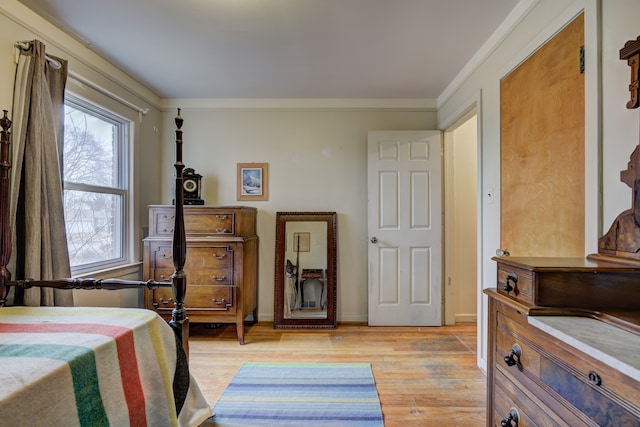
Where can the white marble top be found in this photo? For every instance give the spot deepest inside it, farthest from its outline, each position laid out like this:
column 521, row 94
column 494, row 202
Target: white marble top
column 612, row 346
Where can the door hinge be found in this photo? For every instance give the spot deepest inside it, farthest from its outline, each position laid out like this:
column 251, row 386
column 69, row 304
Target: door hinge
column 582, row 59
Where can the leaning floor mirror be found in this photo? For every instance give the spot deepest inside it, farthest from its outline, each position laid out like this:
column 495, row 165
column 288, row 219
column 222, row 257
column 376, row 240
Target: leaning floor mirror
column 305, row 270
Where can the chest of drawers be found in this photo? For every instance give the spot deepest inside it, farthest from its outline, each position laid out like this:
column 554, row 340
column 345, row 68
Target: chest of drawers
column 542, row 378
column 221, row 264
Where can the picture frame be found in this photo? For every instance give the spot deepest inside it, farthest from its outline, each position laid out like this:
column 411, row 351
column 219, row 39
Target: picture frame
column 302, row 242
column 252, row 181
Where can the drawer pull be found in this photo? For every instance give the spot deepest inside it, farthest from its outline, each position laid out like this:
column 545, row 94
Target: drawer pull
column 163, row 277
column 165, row 216
column 513, row 358
column 221, row 217
column 224, row 230
column 167, row 230
column 219, row 279
column 213, row 300
column 511, row 420
column 595, row 379
column 165, row 301
column 513, row 277
column 221, row 256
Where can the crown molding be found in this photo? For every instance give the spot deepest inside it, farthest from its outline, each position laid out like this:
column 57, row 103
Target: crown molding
column 518, row 13
column 301, row 104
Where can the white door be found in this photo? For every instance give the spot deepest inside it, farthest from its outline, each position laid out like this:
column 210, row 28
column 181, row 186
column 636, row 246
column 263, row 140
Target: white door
column 405, row 228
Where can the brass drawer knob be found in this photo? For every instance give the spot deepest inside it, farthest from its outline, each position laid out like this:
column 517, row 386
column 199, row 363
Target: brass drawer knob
column 166, row 301
column 213, row 300
column 219, row 279
column 221, row 256
column 511, row 420
column 218, row 231
column 513, row 358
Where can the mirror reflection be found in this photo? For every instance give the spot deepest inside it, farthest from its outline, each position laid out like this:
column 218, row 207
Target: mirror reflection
column 305, row 282
column 305, row 270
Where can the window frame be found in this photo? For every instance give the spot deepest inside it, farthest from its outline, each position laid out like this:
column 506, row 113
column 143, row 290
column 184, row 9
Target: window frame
column 123, row 188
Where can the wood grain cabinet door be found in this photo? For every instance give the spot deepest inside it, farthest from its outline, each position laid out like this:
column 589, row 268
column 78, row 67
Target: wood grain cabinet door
column 542, row 150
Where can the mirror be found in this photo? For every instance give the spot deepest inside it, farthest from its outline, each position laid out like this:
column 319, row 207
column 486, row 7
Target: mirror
column 305, row 270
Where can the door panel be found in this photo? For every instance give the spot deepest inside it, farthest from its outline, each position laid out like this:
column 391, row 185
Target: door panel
column 542, row 150
column 405, row 209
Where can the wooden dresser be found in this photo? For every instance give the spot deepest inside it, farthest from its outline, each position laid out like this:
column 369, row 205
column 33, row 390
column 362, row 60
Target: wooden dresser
column 221, row 264
column 564, row 343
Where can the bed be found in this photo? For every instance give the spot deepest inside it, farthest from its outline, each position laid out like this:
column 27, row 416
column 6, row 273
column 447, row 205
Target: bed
column 80, row 366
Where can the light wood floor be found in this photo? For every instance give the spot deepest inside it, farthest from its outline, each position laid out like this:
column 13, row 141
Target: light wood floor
column 424, row 376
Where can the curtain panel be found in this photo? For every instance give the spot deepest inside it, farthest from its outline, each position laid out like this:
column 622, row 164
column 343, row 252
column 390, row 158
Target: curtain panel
column 36, row 204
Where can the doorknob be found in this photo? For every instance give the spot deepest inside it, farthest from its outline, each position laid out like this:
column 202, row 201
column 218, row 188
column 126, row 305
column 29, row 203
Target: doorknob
column 374, row 240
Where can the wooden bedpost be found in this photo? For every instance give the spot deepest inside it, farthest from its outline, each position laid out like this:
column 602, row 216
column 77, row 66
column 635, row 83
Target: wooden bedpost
column 179, row 318
column 5, row 232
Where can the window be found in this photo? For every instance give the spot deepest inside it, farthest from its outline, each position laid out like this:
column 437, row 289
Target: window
column 95, row 186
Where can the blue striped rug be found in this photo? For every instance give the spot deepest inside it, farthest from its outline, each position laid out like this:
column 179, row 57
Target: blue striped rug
column 301, row 395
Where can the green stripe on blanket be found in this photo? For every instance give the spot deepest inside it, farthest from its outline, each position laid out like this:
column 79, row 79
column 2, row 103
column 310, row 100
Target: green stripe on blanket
column 82, row 363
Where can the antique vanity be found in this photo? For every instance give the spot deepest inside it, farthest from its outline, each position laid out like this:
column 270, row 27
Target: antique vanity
column 564, row 333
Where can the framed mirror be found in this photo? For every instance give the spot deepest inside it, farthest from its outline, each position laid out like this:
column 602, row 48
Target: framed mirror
column 305, row 270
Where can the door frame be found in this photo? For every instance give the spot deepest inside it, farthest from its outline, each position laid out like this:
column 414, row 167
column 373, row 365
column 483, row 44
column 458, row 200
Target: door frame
column 468, row 109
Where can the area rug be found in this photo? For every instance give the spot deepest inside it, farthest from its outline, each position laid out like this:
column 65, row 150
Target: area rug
column 301, row 395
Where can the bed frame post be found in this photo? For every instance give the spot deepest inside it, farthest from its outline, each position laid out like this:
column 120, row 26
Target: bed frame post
column 5, row 232
column 179, row 318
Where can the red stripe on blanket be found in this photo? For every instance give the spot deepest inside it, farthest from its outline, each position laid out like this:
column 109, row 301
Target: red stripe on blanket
column 125, row 346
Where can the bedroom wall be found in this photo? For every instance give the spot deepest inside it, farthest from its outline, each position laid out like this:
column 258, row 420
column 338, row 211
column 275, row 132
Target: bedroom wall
column 607, row 120
column 317, row 162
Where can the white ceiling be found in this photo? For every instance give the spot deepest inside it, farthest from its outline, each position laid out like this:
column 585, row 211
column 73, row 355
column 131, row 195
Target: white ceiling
column 283, row 48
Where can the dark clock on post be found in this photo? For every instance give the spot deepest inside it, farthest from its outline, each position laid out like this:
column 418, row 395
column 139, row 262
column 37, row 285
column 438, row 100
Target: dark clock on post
column 191, row 185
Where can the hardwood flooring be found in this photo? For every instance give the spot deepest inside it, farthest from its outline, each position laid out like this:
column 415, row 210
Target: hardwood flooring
column 424, row 376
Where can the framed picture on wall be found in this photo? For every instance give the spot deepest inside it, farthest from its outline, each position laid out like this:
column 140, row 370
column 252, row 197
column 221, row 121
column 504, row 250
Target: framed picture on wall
column 253, row 181
column 301, row 242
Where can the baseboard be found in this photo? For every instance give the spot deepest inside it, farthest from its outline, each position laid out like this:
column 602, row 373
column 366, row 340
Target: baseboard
column 466, row 318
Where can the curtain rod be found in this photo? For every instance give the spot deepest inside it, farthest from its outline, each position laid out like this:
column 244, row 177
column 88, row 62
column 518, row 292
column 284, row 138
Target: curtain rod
column 25, row 46
column 141, row 111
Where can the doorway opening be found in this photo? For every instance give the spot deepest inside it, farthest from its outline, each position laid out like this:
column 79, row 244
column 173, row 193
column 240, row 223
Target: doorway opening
column 461, row 221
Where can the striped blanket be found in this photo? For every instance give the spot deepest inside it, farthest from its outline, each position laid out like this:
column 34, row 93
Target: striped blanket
column 62, row 366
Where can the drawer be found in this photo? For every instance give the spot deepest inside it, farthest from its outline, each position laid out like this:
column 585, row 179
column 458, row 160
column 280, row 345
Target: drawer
column 516, row 282
column 198, row 297
column 201, row 276
column 530, row 411
column 211, row 257
column 197, row 222
column 588, row 388
column 164, row 223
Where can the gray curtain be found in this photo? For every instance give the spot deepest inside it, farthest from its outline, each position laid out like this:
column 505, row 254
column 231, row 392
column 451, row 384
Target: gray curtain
column 36, row 208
